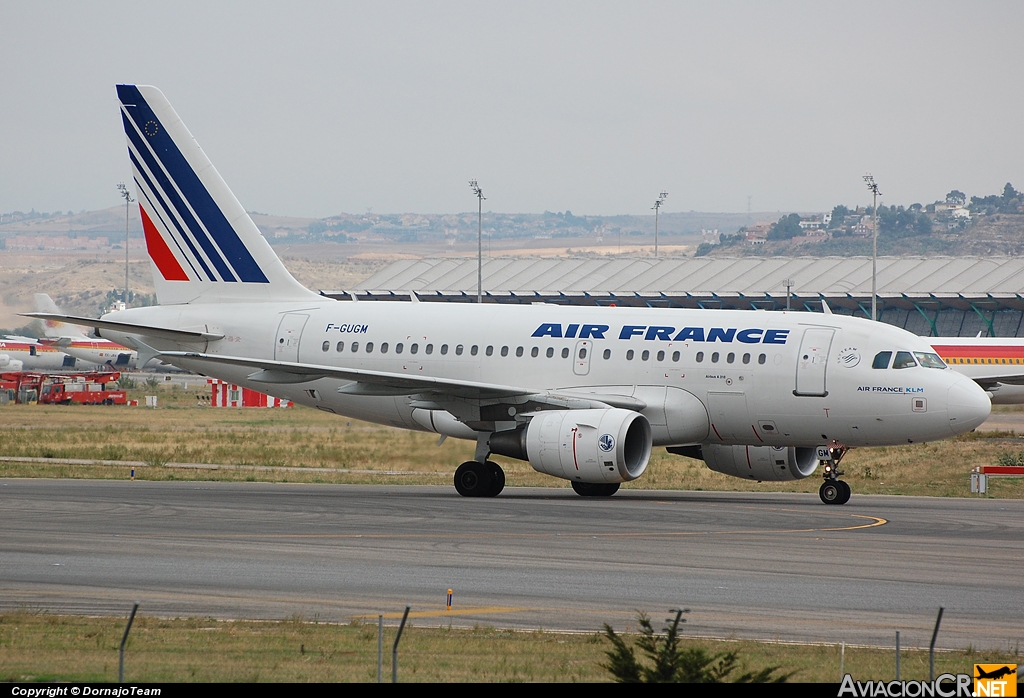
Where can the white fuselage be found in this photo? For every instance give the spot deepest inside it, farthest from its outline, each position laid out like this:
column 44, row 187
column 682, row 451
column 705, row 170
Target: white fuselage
column 762, row 378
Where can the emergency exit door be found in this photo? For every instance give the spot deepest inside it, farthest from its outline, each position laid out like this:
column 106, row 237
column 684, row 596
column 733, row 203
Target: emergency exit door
column 812, row 362
column 289, row 332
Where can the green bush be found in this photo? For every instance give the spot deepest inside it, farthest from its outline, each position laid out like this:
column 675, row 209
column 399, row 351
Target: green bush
column 666, row 662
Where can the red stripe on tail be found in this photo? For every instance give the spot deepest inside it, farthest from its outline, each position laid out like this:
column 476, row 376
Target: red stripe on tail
column 160, row 253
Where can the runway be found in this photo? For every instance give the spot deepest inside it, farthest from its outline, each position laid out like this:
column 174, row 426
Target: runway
column 765, row 566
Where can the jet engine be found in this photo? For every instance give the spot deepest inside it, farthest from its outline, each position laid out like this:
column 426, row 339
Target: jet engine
column 594, row 446
column 9, row 364
column 755, row 462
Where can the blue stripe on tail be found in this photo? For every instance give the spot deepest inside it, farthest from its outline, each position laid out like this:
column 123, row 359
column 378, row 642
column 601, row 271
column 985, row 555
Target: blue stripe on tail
column 225, row 237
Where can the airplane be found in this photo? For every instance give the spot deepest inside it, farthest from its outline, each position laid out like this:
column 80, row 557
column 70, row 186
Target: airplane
column 26, row 354
column 994, row 363
column 581, row 393
column 72, row 341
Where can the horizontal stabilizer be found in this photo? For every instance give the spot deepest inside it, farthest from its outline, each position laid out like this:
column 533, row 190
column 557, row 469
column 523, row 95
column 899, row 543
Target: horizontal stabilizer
column 130, row 328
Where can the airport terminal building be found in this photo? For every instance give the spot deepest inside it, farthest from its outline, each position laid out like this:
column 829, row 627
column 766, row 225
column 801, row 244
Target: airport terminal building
column 933, row 296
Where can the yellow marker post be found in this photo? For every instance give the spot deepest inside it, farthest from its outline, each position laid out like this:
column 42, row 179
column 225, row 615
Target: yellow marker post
column 449, row 599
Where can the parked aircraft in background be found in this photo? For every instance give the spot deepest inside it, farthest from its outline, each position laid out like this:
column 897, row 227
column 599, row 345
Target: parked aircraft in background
column 582, row 393
column 71, row 340
column 994, row 363
column 26, row 354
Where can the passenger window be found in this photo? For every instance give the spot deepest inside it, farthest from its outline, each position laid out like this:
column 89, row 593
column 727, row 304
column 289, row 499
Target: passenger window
column 583, row 352
column 384, row 348
column 429, row 349
column 565, row 352
column 714, row 357
column 326, row 346
column 550, row 352
column 399, row 347
column 881, row 359
column 700, row 356
column 504, row 351
column 489, row 350
column 355, row 347
column 746, row 358
column 444, row 349
column 730, row 358
column 904, row 359
column 675, row 356
column 473, row 350
column 607, row 353
column 661, row 356
column 519, row 351
column 646, row 355
column 369, row 347
column 341, row 346
column 629, row 355
column 534, row 352
column 458, row 350
column 413, row 348
column 761, row 359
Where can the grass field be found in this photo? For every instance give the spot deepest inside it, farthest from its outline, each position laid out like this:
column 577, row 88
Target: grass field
column 41, row 647
column 304, row 445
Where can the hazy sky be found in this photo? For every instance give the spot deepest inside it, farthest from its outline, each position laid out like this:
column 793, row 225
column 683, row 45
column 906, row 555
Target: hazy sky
column 317, row 108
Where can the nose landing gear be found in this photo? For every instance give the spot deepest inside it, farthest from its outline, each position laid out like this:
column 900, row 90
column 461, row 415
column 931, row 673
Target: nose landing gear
column 833, row 490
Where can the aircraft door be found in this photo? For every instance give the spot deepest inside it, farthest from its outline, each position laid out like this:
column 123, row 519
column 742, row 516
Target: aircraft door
column 812, row 361
column 289, row 332
column 581, row 359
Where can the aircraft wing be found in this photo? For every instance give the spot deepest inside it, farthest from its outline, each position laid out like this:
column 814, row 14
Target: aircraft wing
column 366, row 382
column 988, row 382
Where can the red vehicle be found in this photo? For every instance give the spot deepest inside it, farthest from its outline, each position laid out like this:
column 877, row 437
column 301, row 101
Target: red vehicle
column 21, row 386
column 99, row 388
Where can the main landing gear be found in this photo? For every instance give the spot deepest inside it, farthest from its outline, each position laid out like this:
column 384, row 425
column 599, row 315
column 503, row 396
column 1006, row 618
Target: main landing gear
column 475, row 479
column 833, row 490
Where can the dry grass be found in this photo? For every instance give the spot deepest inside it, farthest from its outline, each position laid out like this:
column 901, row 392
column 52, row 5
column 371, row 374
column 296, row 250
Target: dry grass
column 42, row 647
column 270, row 444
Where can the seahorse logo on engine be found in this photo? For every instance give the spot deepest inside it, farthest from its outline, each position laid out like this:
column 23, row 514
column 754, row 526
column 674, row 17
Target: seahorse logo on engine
column 606, row 442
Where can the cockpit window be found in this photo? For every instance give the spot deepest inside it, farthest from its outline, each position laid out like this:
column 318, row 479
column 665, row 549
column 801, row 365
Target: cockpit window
column 904, row 359
column 881, row 359
column 929, row 360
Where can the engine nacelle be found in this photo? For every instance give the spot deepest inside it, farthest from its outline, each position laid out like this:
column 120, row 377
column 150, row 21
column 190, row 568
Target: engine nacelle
column 757, row 462
column 9, row 364
column 596, row 446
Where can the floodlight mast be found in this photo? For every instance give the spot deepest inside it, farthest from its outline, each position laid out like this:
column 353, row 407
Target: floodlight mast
column 657, row 206
column 127, row 203
column 479, row 193
column 875, row 193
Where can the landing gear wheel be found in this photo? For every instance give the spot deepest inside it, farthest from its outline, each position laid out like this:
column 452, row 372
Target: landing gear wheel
column 473, row 479
column 834, row 492
column 589, row 489
column 497, row 479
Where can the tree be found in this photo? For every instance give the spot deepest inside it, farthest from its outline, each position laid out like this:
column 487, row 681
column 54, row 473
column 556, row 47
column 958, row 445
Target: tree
column 668, row 663
column 839, row 214
column 786, row 228
column 956, row 198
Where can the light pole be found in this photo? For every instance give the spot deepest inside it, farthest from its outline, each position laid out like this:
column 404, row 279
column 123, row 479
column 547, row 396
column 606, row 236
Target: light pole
column 657, row 205
column 127, row 202
column 479, row 193
column 873, row 188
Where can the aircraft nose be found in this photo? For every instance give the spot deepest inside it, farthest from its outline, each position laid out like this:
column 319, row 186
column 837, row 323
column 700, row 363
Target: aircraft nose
column 967, row 405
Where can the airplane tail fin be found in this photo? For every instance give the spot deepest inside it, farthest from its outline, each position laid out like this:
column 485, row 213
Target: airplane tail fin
column 203, row 246
column 55, row 328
